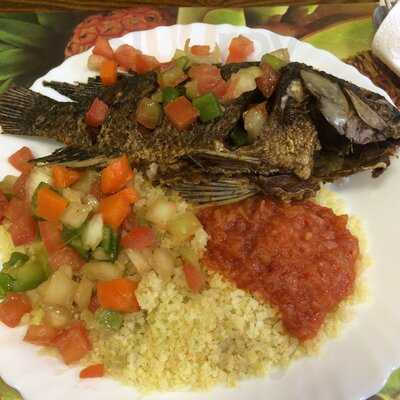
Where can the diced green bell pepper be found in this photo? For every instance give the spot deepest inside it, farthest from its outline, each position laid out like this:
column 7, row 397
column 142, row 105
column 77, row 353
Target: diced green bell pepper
column 110, row 319
column 6, row 284
column 208, row 106
column 16, row 259
column 274, row 62
column 110, row 242
column 169, row 94
column 73, row 238
column 28, row 276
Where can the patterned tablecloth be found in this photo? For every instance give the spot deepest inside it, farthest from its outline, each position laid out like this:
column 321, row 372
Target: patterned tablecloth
column 32, row 44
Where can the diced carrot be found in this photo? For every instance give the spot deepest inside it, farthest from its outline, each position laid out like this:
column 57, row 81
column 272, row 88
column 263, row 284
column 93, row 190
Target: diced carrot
column 200, row 50
column 20, row 158
column 92, row 371
column 108, row 73
column 102, row 48
column 41, row 335
column 50, row 233
column 97, row 113
column 64, row 177
column 114, row 209
column 131, row 194
column 50, row 205
column 118, row 295
column 73, row 343
column 194, row 277
column 13, row 308
column 139, row 238
column 146, row 63
column 116, row 175
column 239, row 49
column 181, row 112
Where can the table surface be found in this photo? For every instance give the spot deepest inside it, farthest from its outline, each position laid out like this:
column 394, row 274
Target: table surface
column 344, row 28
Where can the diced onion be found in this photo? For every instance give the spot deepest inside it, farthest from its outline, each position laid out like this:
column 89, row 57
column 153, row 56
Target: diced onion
column 164, row 263
column 102, row 270
column 282, row 54
column 161, row 211
column 36, row 177
column 92, row 234
column 91, row 201
column 254, row 120
column 75, row 214
column 85, row 183
column 183, row 226
column 57, row 317
column 95, row 62
column 60, row 290
column 139, row 260
column 71, row 195
column 245, row 80
column 189, row 255
column 83, row 293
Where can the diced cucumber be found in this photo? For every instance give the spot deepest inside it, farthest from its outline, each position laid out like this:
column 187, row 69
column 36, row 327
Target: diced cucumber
column 109, row 319
column 15, row 260
column 110, row 242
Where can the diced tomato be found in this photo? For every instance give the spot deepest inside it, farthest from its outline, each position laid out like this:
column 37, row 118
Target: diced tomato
column 94, row 304
column 23, row 226
column 266, row 83
column 108, row 72
column 50, row 234
column 116, row 175
column 139, row 238
column 126, row 57
column 50, row 205
column 19, row 187
column 114, row 209
column 146, row 63
column 3, row 206
column 239, row 49
column 13, row 308
column 20, row 158
column 64, row 177
column 181, row 112
column 118, row 295
column 194, row 277
column 102, row 48
column 92, row 371
column 200, row 50
column 66, row 256
column 73, row 343
column 208, row 79
column 97, row 113
column 41, row 335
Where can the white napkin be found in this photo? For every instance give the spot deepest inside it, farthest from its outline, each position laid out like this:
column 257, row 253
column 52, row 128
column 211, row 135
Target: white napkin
column 386, row 43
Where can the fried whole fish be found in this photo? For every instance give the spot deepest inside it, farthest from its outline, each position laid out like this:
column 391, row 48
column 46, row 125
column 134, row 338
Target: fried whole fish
column 319, row 128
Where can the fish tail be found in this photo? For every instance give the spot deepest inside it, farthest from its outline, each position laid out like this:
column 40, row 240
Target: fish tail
column 19, row 108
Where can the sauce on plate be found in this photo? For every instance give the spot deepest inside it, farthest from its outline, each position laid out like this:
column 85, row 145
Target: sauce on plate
column 300, row 257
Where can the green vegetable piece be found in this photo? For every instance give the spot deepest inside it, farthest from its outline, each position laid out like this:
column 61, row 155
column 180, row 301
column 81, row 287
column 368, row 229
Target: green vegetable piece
column 16, row 259
column 239, row 137
column 6, row 185
column 208, row 106
column 110, row 242
column 110, row 319
column 28, row 276
column 73, row 237
column 182, row 62
column 157, row 96
column 274, row 62
column 6, row 284
column 169, row 94
column 172, row 76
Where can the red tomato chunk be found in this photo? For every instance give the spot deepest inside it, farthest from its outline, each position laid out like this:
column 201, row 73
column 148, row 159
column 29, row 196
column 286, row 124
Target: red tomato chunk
column 13, row 308
column 20, row 158
column 97, row 113
column 41, row 335
column 3, row 206
column 139, row 238
column 298, row 256
column 66, row 256
column 92, row 371
column 50, row 233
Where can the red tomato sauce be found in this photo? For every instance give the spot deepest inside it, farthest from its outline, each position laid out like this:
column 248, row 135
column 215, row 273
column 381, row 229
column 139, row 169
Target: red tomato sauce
column 300, row 257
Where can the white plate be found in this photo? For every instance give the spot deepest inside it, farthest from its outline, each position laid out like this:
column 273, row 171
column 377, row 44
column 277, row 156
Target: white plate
column 352, row 367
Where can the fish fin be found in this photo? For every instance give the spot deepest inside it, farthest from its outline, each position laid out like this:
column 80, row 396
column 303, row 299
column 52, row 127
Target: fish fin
column 220, row 191
column 75, row 157
column 78, row 91
column 18, row 109
column 215, row 160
